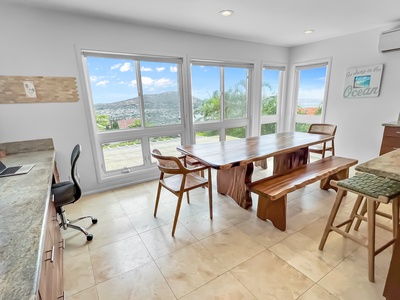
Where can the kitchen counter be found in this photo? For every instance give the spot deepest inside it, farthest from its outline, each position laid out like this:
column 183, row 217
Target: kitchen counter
column 386, row 165
column 23, row 206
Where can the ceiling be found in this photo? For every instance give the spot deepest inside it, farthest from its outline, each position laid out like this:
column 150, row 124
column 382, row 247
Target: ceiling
column 275, row 22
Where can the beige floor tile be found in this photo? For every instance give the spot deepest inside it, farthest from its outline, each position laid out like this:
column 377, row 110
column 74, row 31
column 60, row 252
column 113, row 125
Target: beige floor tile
column 117, row 258
column 78, row 274
column 298, row 217
column 111, row 231
column 159, row 241
column 302, row 253
column 317, row 293
column 267, row 276
column 189, row 268
column 145, row 282
column 263, row 231
column 336, row 242
column 97, row 200
column 138, row 202
column 198, row 204
column 224, row 287
column 382, row 260
column 75, row 243
column 317, row 202
column 201, row 226
column 130, row 192
column 233, row 212
column 350, row 281
column 144, row 220
column 232, row 247
column 235, row 238
column 89, row 294
column 105, row 212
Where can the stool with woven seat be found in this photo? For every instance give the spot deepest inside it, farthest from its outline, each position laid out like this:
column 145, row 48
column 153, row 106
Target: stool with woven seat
column 375, row 190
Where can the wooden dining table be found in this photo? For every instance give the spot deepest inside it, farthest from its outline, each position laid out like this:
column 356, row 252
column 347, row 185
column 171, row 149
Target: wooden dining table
column 234, row 159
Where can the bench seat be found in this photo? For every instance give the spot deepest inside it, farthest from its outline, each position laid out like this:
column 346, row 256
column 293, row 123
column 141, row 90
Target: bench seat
column 273, row 190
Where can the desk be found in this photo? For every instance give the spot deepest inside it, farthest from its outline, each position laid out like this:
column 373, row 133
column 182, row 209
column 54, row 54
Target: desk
column 24, row 201
column 235, row 159
column 388, row 165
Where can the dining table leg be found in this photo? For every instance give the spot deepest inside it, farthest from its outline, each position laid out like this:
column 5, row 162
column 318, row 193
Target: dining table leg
column 233, row 182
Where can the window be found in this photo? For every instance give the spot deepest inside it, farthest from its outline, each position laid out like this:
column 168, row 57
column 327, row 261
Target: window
column 272, row 83
column 220, row 100
column 310, row 94
column 136, row 105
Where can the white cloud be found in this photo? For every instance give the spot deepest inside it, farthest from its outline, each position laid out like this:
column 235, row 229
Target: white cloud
column 102, row 83
column 144, row 69
column 126, row 67
column 160, row 69
column 132, row 83
column 93, row 78
column 173, row 69
column 116, row 66
column 147, row 81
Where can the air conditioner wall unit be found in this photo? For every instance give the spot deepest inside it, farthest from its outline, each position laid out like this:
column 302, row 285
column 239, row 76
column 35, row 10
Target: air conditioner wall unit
column 389, row 41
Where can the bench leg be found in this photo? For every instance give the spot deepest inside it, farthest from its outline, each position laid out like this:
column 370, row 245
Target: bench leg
column 275, row 211
column 325, row 183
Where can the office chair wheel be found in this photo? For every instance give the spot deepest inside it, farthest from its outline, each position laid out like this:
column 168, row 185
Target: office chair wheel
column 89, row 237
column 94, row 220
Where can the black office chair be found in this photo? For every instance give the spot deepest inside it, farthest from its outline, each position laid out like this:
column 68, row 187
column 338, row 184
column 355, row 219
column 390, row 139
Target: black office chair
column 67, row 192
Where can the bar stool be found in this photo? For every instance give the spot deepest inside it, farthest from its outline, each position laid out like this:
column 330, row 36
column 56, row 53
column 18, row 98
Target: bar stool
column 376, row 190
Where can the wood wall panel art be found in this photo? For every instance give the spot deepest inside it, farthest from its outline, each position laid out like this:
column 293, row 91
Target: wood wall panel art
column 47, row 89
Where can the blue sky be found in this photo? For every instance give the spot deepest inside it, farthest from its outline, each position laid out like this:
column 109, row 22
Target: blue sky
column 114, row 80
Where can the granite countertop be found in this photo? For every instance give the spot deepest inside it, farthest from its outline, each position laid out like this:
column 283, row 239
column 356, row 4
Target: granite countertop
column 387, row 165
column 392, row 124
column 23, row 206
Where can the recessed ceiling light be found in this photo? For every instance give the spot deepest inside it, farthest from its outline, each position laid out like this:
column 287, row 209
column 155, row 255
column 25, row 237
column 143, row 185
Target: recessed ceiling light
column 309, row 31
column 226, row 13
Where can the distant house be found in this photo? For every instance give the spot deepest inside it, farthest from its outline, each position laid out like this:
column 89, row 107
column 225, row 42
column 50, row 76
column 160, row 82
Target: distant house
column 124, row 124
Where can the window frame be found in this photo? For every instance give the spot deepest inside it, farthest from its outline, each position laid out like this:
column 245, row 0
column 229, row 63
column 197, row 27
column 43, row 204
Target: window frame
column 143, row 133
column 222, row 124
column 297, row 67
column 278, row 117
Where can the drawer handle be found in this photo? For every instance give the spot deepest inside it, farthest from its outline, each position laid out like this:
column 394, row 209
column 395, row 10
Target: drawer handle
column 52, row 255
column 62, row 242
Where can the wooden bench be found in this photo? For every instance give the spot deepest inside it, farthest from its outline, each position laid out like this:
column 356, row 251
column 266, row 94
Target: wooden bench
column 272, row 191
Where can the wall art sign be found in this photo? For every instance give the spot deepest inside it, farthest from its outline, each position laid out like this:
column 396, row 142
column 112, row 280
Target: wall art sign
column 362, row 82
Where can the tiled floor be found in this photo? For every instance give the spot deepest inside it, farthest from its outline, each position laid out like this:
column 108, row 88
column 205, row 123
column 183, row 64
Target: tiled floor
column 233, row 256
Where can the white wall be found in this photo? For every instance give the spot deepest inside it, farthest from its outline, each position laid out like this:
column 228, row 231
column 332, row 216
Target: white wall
column 43, row 43
column 359, row 120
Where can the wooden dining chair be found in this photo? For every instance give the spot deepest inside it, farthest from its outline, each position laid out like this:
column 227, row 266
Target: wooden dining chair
column 328, row 146
column 181, row 180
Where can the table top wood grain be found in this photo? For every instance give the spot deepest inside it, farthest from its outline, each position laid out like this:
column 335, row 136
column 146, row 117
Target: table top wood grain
column 232, row 153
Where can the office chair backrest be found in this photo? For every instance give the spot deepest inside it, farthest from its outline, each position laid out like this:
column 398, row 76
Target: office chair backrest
column 76, row 152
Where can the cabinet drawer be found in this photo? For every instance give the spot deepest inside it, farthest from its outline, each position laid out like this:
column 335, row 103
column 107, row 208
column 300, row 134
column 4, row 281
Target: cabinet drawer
column 389, row 143
column 392, row 131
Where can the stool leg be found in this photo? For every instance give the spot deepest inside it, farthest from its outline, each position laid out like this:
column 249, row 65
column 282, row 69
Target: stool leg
column 362, row 213
column 395, row 217
column 371, row 209
column 338, row 200
column 354, row 212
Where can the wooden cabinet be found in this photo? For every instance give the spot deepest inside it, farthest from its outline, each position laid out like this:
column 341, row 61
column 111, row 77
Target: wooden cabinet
column 51, row 275
column 390, row 139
